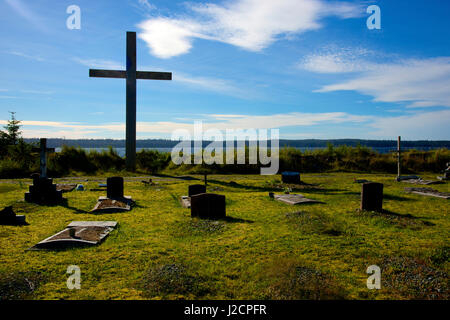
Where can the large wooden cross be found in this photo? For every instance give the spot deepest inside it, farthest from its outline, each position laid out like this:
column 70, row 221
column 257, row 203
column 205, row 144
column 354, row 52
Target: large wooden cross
column 130, row 75
column 43, row 151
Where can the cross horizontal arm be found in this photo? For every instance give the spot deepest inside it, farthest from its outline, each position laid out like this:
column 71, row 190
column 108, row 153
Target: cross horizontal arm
column 150, row 75
column 49, row 150
column 107, row 73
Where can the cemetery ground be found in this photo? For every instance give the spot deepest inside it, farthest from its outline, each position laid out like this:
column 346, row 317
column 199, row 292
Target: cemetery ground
column 264, row 249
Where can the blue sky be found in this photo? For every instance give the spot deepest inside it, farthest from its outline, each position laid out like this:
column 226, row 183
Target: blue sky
column 310, row 68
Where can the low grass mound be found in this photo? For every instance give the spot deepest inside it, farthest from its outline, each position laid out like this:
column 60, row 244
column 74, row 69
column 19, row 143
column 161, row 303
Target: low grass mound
column 174, row 280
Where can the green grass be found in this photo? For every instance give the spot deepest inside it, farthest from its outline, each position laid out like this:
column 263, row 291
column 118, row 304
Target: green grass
column 265, row 250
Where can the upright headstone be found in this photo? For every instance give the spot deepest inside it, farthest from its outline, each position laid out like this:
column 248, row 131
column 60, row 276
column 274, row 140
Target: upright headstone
column 196, row 189
column 114, row 187
column 372, row 196
column 208, row 205
column 290, row 177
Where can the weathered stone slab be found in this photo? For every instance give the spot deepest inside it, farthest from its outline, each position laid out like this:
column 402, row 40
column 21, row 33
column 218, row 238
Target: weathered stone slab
column 77, row 234
column 372, row 196
column 428, row 192
column 208, row 205
column 65, row 187
column 196, row 189
column 294, row 199
column 290, row 177
column 420, row 181
column 8, row 217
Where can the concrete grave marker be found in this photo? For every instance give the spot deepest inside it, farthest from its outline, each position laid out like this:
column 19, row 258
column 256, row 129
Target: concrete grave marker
column 208, row 205
column 372, row 196
column 294, row 199
column 78, row 234
column 290, row 177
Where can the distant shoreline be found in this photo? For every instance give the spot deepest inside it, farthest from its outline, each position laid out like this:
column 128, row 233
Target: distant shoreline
column 305, row 143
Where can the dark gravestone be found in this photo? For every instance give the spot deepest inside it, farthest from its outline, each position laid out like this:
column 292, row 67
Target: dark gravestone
column 114, row 187
column 196, row 189
column 8, row 217
column 208, row 205
column 290, row 177
column 372, row 196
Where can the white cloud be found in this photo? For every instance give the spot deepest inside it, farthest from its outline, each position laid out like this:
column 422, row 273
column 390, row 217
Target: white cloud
column 249, row 24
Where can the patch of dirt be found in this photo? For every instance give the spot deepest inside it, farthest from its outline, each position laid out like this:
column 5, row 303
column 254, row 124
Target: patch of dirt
column 174, row 279
column 83, row 233
column 108, row 203
column 414, row 279
column 19, row 285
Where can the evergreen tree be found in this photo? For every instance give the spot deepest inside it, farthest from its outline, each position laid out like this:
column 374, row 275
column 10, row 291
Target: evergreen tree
column 12, row 134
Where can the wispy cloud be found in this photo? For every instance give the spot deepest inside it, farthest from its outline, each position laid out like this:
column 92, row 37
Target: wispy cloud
column 249, row 24
column 420, row 83
column 146, row 5
column 220, row 122
column 417, row 126
column 28, row 56
column 25, row 12
column 417, row 82
column 100, row 63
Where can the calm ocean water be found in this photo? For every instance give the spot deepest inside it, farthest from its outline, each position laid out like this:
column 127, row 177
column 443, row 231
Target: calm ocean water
column 121, row 151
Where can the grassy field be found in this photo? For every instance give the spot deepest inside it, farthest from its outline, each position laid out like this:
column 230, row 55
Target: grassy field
column 264, row 250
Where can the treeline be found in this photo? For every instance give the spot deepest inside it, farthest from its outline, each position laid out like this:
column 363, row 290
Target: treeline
column 307, row 143
column 77, row 161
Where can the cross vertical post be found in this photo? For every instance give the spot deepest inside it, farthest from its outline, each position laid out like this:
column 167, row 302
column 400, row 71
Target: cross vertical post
column 131, row 75
column 399, row 151
column 130, row 147
column 43, row 155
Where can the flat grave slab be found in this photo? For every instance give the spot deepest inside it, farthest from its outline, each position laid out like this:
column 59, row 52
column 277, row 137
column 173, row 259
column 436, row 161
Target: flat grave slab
column 294, row 199
column 428, row 192
column 65, row 187
column 77, row 234
column 105, row 204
